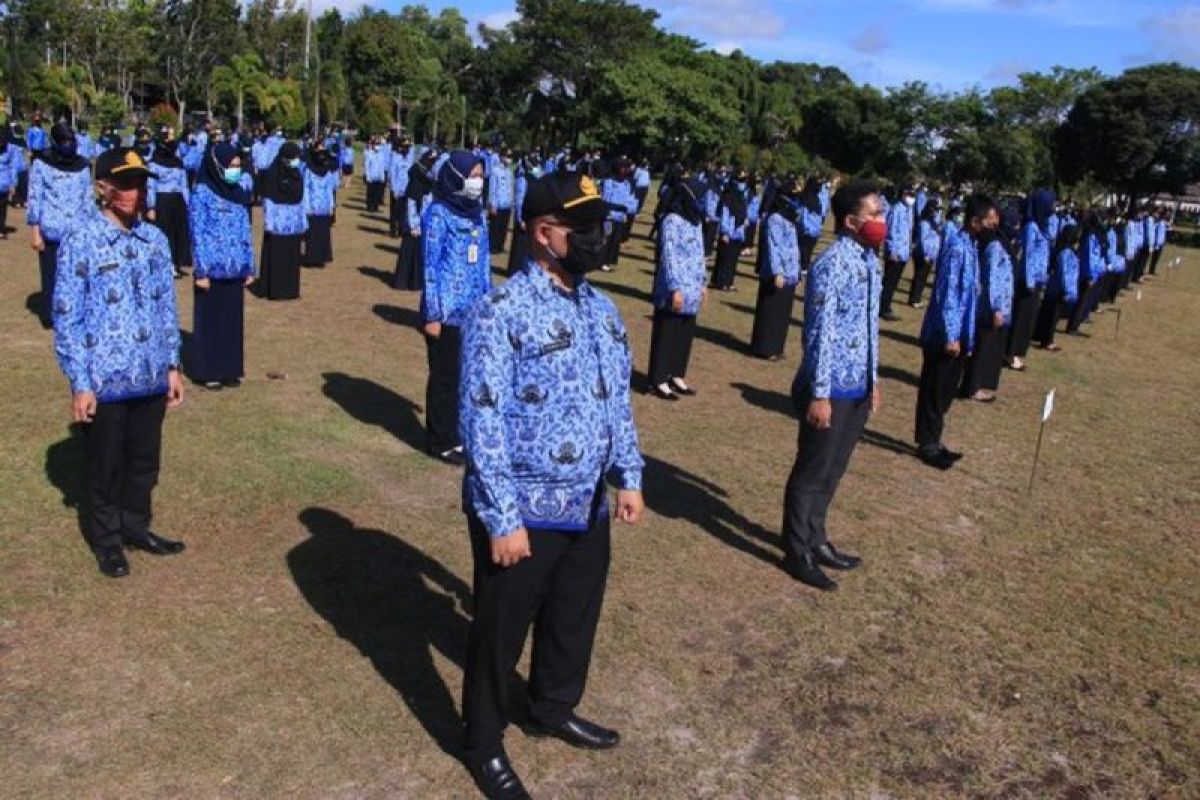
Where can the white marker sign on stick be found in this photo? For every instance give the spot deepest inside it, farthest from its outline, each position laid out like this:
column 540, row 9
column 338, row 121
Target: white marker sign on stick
column 1048, row 406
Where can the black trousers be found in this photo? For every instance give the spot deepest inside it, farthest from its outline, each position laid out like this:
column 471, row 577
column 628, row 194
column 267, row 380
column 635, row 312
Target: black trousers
column 710, row 229
column 807, row 245
column 772, row 318
column 1112, row 285
column 612, row 245
column 940, row 376
column 560, row 589
column 441, row 390
column 1139, row 264
column 921, row 267
column 47, row 264
column 1049, row 314
column 4, row 213
column 318, row 241
column 1024, row 316
column 498, row 230
column 670, row 345
column 982, row 370
column 122, row 453
column 397, row 214
column 1154, row 257
column 1089, row 293
column 821, row 460
column 725, row 268
column 375, row 195
column 892, row 270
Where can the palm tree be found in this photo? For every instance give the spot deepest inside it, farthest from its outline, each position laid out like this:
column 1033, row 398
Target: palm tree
column 244, row 75
column 79, row 90
column 278, row 96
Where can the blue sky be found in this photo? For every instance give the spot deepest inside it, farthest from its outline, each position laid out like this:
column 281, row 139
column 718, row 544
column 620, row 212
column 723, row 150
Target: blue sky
column 949, row 43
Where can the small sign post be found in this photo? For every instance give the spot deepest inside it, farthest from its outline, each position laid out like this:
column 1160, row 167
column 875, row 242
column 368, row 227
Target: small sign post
column 1047, row 411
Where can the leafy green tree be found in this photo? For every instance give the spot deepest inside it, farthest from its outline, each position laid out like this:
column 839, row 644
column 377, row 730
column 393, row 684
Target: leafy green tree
column 243, row 75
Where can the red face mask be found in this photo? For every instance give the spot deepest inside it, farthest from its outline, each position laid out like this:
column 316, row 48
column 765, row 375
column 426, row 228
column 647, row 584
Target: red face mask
column 872, row 233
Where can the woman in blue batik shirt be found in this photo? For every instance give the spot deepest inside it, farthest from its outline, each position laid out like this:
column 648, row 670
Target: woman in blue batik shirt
column 418, row 195
column 321, row 181
column 167, row 202
column 60, row 197
column 457, row 273
column 808, row 224
column 345, row 155
column 679, row 288
column 925, row 250
column 617, row 192
column 1091, row 270
column 375, row 170
column 733, row 223
column 224, row 256
column 21, row 191
column 780, row 275
column 1062, row 288
column 9, row 157
column 284, row 225
column 500, row 196
column 981, row 376
column 1030, row 275
column 528, row 169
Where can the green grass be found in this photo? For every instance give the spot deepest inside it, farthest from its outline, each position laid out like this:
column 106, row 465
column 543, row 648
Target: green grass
column 309, row 642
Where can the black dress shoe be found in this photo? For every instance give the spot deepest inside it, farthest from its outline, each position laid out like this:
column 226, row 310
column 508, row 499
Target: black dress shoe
column 951, row 454
column 497, row 779
column 806, row 570
column 889, row 316
column 154, row 544
column 663, row 394
column 578, row 732
column 827, row 556
column 935, row 457
column 111, row 560
column 679, row 388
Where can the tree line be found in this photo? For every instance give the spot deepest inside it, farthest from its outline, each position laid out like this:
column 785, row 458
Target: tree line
column 591, row 73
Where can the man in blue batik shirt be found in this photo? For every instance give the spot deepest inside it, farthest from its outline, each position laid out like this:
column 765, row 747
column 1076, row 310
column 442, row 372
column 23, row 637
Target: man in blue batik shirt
column 116, row 335
column 836, row 388
column 897, row 249
column 948, row 332
column 545, row 418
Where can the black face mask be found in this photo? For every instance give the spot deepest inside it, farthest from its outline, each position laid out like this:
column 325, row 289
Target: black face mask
column 586, row 251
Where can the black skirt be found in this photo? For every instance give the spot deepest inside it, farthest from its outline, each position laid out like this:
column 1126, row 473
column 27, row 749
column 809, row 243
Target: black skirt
column 519, row 254
column 280, row 273
column 983, row 367
column 171, row 217
column 772, row 318
column 375, row 195
column 1024, row 316
column 498, row 230
column 218, row 332
column 410, row 265
column 318, row 243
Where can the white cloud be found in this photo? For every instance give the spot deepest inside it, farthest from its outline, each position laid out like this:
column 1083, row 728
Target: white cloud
column 500, row 19
column 1006, row 71
column 1067, row 13
column 1174, row 35
column 722, row 20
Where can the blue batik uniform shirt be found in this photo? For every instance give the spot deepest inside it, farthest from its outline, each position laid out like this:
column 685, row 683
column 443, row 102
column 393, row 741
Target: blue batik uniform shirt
column 996, row 283
column 950, row 316
column 165, row 180
column 544, row 405
column 501, row 189
column 58, row 200
column 1035, row 255
column 783, row 249
column 221, row 238
column 681, row 265
column 898, row 245
column 320, row 193
column 841, row 324
column 375, row 164
column 398, row 166
column 457, row 265
column 116, row 333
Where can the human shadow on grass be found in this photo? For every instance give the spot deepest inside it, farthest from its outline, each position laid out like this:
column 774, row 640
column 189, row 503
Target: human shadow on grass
column 395, row 604
column 675, row 493
column 751, row 310
column 898, row 374
column 900, row 336
column 64, row 470
column 391, row 249
column 782, row 403
column 374, row 230
column 372, row 404
column 404, row 317
column 33, row 304
column 379, row 274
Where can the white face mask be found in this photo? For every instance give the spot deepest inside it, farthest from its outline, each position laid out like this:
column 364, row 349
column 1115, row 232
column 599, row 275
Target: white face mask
column 472, row 188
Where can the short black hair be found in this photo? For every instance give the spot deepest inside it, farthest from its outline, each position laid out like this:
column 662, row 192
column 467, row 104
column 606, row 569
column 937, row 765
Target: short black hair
column 978, row 206
column 848, row 199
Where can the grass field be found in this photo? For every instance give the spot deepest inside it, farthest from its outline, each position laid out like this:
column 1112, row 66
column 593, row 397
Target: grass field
column 309, row 642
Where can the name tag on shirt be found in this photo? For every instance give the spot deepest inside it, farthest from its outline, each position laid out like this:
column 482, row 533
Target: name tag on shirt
column 109, row 267
column 472, row 253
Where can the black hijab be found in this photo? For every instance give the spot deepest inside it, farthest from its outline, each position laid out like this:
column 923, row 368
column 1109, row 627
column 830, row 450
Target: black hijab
column 734, row 200
column 166, row 155
column 212, row 174
column 810, row 198
column 420, row 181
column 783, row 203
column 283, row 183
column 319, row 160
column 62, row 154
column 683, row 198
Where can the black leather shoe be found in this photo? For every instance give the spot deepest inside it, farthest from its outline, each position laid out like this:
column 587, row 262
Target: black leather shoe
column 935, row 458
column 497, row 779
column 951, row 454
column 805, row 569
column 578, row 732
column 827, row 556
column 154, row 544
column 111, row 560
column 454, row 458
column 663, row 394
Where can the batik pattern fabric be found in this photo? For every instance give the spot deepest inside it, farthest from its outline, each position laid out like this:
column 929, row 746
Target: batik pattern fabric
column 454, row 250
column 320, row 193
column 996, row 283
column 58, row 200
column 950, row 316
column 222, row 247
column 783, row 249
column 681, row 265
column 284, row 219
column 165, row 180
